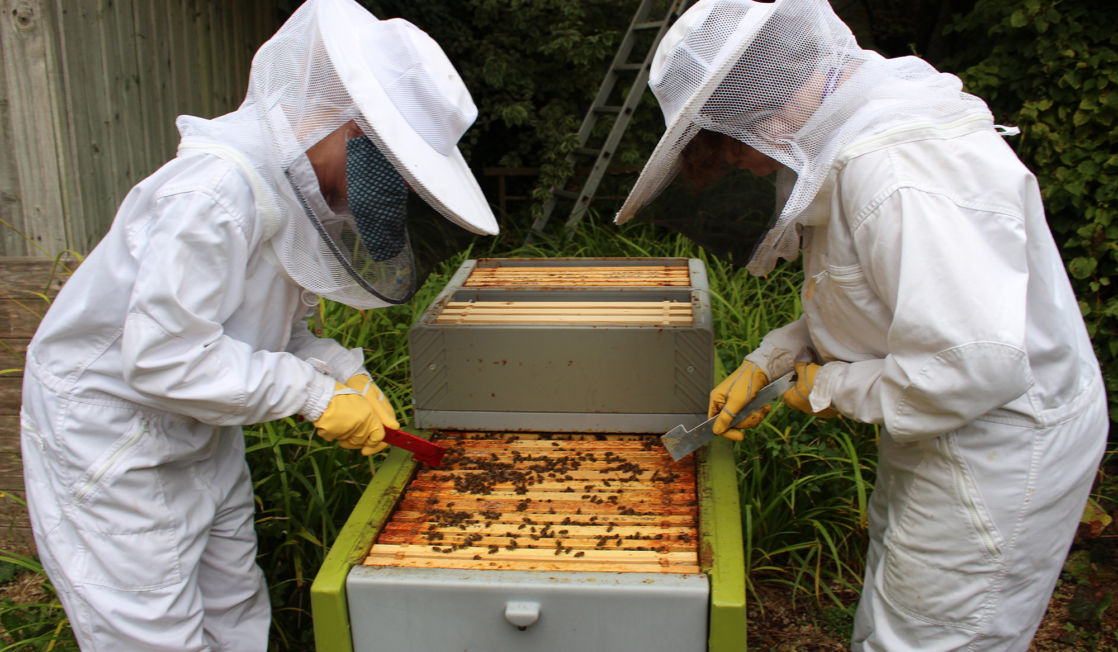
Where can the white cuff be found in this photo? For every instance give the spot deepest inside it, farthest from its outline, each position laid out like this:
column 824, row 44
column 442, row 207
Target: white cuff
column 826, row 380
column 351, row 364
column 774, row 362
column 320, row 390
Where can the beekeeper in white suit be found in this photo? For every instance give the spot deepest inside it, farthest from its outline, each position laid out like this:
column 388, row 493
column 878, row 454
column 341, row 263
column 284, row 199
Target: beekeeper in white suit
column 190, row 319
column 935, row 304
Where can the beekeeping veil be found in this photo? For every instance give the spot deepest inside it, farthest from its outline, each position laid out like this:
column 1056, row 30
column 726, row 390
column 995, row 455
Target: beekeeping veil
column 788, row 79
column 386, row 86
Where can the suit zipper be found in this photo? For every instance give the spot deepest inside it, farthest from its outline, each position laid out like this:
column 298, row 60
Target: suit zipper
column 25, row 426
column 846, row 277
column 110, row 463
column 979, row 523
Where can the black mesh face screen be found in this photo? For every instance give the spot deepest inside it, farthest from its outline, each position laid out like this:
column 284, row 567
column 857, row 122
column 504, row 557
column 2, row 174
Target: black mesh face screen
column 378, row 199
column 433, row 238
column 385, row 237
column 728, row 218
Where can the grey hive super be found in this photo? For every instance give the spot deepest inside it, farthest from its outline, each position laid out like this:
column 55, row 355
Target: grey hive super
column 534, row 345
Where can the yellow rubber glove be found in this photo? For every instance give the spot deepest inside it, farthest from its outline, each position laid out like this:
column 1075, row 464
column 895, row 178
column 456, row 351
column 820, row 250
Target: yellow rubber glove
column 364, row 384
column 797, row 397
column 730, row 397
column 351, row 420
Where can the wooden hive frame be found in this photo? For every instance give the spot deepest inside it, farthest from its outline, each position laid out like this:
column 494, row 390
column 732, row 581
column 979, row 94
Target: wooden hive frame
column 516, row 502
column 663, row 275
column 650, row 313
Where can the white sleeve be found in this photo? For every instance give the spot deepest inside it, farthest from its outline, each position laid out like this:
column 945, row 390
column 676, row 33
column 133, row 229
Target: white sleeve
column 323, row 353
column 780, row 347
column 956, row 280
column 190, row 278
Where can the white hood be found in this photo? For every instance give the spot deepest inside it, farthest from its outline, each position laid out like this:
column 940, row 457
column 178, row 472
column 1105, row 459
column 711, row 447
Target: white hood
column 332, row 62
column 788, row 79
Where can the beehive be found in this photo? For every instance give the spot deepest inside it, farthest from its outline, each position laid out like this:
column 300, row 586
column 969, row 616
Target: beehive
column 549, row 382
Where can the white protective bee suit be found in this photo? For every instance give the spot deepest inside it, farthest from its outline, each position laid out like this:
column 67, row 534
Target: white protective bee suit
column 935, row 298
column 188, row 321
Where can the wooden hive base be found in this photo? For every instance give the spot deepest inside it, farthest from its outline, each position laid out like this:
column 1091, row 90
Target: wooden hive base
column 580, row 276
column 516, row 502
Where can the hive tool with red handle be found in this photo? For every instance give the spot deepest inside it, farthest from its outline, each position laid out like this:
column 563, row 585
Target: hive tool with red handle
column 422, row 450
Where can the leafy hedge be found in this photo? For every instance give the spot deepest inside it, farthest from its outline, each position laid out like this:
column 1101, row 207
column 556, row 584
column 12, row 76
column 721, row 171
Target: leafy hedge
column 1051, row 68
column 533, row 68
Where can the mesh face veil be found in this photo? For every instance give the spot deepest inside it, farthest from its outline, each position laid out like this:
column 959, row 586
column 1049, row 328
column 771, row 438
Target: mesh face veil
column 788, row 79
column 333, row 64
column 378, row 200
column 370, row 227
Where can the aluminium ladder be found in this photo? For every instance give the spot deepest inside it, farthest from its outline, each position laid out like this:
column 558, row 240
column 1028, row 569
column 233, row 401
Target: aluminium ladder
column 623, row 113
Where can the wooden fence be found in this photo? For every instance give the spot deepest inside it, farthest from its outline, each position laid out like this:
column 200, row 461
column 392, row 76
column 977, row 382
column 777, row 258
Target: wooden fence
column 89, row 92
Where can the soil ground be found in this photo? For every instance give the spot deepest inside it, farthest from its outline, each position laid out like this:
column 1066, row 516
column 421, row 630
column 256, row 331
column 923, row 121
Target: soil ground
column 1081, row 615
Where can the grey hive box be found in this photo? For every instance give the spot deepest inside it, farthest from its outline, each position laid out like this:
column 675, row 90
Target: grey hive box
column 565, row 345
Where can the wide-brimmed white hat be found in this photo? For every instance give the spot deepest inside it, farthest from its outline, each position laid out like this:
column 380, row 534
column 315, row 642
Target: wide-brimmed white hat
column 414, row 104
column 692, row 59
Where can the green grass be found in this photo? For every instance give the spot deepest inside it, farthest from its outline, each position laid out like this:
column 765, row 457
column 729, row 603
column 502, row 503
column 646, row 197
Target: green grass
column 38, row 624
column 804, row 482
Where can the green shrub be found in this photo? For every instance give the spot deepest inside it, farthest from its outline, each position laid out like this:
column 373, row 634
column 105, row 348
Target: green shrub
column 1051, row 68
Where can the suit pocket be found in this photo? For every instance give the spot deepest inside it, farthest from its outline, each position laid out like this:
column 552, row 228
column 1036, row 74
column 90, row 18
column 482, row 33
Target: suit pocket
column 942, row 553
column 106, row 468
column 854, row 321
column 124, row 535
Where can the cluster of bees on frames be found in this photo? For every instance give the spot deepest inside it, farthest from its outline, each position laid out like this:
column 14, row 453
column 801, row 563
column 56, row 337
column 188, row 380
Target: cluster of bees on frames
column 480, row 473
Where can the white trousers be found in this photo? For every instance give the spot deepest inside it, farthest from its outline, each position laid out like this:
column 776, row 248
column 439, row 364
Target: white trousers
column 144, row 525
column 969, row 531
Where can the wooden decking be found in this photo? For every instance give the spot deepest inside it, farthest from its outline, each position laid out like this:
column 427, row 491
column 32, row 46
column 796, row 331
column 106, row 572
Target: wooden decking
column 566, row 504
column 26, row 287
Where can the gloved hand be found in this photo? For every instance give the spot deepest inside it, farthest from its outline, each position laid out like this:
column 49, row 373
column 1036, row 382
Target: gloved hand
column 352, row 421
column 730, row 397
column 797, row 397
column 364, row 384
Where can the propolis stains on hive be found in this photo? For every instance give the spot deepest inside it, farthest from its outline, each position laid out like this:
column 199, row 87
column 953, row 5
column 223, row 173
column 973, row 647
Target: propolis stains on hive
column 570, row 504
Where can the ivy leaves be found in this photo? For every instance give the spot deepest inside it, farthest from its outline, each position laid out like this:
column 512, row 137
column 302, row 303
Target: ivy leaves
column 1053, row 71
